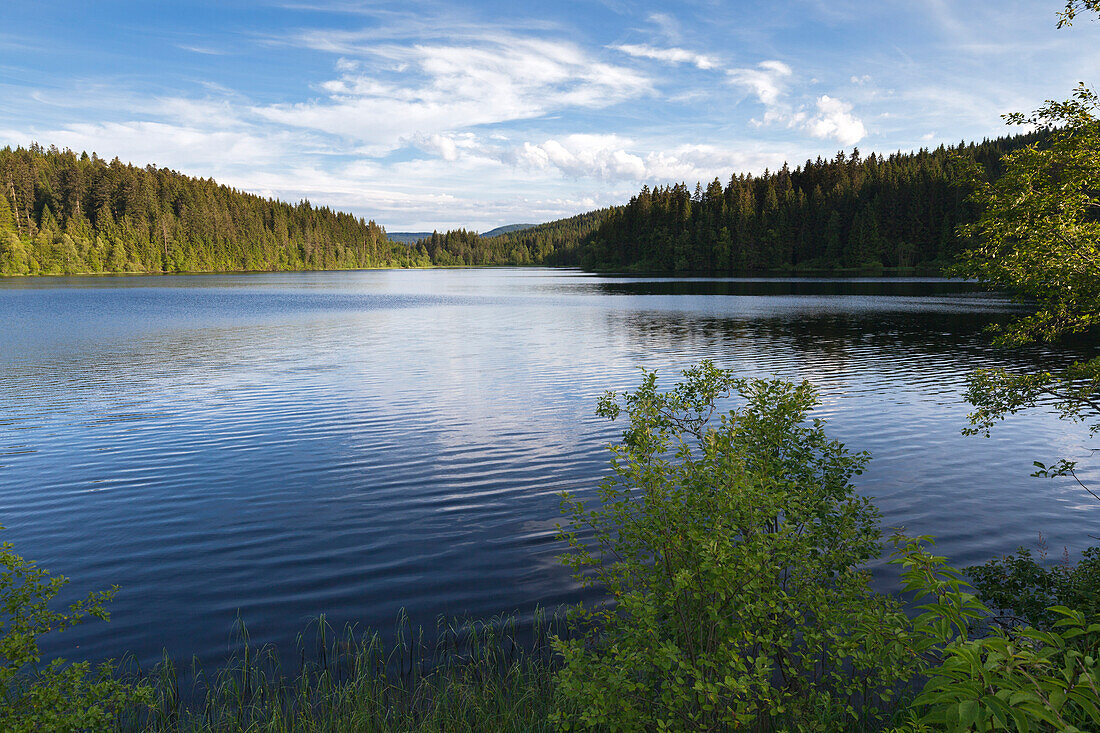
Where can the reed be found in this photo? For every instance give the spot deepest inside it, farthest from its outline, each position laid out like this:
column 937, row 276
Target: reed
column 493, row 675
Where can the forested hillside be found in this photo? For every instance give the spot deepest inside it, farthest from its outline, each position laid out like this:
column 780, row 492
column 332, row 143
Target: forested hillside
column 849, row 212
column 497, row 231
column 65, row 213
column 554, row 243
column 61, row 212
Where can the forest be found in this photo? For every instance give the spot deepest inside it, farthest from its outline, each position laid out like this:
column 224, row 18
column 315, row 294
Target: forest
column 63, row 212
column 851, row 212
column 557, row 243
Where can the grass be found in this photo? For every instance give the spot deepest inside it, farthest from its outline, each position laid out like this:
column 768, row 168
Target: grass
column 474, row 676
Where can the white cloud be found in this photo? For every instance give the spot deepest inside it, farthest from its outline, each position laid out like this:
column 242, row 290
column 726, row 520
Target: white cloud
column 450, row 87
column 767, row 81
column 445, row 145
column 668, row 55
column 448, row 146
column 834, row 120
column 584, row 156
column 614, row 158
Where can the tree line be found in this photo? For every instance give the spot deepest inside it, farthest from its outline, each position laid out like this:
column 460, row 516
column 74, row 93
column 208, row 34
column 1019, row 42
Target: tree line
column 849, row 212
column 556, row 243
column 61, row 213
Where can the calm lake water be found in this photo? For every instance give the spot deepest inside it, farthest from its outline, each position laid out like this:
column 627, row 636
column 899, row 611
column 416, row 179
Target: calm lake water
column 277, row 446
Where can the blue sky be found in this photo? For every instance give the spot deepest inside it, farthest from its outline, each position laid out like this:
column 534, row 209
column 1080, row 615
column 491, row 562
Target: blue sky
column 427, row 115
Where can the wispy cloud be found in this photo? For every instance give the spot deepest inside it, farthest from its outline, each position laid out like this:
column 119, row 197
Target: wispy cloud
column 666, row 25
column 440, row 88
column 767, row 81
column 204, row 50
column 668, row 55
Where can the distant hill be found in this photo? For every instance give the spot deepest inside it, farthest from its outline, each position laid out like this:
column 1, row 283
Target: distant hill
column 507, row 229
column 414, row 237
column 553, row 243
column 407, row 237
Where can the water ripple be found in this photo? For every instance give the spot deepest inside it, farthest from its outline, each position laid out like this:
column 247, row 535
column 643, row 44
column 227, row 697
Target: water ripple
column 279, row 446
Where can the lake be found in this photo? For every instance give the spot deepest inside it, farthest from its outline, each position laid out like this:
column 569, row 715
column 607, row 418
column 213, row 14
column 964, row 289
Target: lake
column 276, row 446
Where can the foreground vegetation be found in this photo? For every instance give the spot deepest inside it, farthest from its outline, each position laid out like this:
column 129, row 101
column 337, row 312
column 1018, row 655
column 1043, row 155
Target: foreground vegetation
column 470, row 676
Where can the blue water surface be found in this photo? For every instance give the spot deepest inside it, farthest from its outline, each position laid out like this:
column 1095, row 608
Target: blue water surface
column 271, row 447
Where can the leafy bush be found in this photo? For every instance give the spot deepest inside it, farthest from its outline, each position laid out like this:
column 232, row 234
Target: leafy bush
column 57, row 696
column 1021, row 679
column 1026, row 589
column 731, row 545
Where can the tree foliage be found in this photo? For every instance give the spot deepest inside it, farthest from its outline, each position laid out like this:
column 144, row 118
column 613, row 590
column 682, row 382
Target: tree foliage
column 1073, row 7
column 1038, row 237
column 61, row 212
column 1039, row 230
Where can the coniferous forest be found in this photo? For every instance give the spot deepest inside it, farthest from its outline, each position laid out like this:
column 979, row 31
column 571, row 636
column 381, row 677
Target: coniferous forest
column 62, row 212
column 849, row 212
column 558, row 242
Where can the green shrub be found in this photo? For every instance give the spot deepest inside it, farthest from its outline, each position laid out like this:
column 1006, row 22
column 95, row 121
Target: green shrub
column 1025, row 589
column 56, row 696
column 1019, row 679
column 732, row 547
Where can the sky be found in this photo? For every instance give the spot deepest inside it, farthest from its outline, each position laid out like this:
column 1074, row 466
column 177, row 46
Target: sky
column 438, row 115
